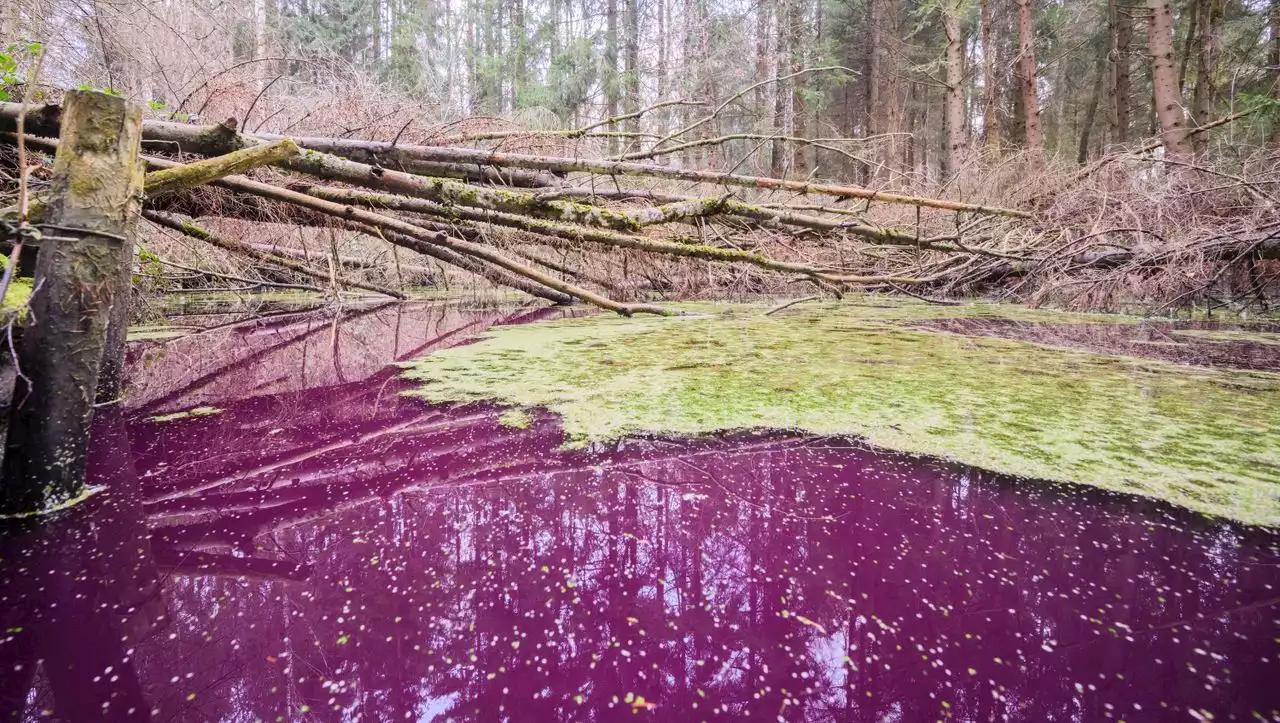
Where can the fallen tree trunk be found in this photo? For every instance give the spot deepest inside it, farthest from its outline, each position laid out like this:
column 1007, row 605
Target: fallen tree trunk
column 489, row 272
column 243, row 249
column 182, row 177
column 199, row 173
column 701, row 207
column 676, row 207
column 471, row 173
column 349, row 148
column 580, row 234
column 424, row 236
column 1266, row 247
column 567, row 271
column 218, row 139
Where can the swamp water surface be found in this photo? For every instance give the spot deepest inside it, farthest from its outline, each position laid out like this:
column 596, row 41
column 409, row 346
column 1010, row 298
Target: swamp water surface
column 314, row 545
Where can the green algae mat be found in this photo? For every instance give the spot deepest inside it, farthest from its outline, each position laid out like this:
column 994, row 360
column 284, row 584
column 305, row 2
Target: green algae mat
column 1207, row 439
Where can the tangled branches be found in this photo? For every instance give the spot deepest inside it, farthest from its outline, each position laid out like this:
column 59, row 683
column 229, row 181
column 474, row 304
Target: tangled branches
column 1136, row 230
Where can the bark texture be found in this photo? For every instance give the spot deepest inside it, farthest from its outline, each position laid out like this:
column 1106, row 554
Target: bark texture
column 98, row 184
column 1034, row 135
column 1164, row 81
column 957, row 139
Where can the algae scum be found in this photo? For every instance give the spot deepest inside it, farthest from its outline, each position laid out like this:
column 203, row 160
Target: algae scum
column 1201, row 437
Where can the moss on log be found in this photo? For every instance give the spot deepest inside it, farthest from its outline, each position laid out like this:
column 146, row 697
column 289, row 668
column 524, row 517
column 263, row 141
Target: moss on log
column 556, row 234
column 201, row 172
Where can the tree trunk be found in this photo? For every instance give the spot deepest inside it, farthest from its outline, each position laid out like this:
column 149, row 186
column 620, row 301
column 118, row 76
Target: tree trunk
column 1208, row 50
column 1091, row 110
column 632, row 45
column 957, row 141
column 271, row 32
column 688, row 69
column 663, row 53
column 1192, row 13
column 10, row 21
column 1164, row 82
column 1273, row 60
column 96, row 188
column 763, row 66
column 990, row 85
column 612, row 87
column 1034, row 136
column 798, row 43
column 519, row 59
column 883, row 95
column 778, row 152
column 1121, row 45
column 375, row 34
column 111, row 370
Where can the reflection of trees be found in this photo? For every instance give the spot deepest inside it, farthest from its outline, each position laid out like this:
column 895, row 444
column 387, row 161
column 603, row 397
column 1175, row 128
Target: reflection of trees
column 379, row 558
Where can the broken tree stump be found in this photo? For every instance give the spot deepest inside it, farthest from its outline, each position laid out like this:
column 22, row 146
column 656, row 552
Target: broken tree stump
column 81, row 274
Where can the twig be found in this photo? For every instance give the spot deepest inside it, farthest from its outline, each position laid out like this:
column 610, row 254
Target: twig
column 789, row 304
column 244, row 123
column 708, row 118
column 241, row 279
column 939, row 302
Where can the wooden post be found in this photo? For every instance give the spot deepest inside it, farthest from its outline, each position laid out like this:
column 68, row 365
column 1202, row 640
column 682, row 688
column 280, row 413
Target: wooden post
column 97, row 187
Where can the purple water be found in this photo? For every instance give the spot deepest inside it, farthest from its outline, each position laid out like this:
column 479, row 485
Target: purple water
column 325, row 549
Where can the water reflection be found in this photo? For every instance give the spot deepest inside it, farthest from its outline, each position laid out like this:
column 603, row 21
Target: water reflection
column 78, row 596
column 324, row 549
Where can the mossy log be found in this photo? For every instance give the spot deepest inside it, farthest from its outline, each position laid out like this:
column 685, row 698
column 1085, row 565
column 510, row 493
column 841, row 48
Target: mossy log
column 336, row 168
column 347, row 147
column 220, row 140
column 331, row 159
column 675, row 207
column 471, row 173
column 81, row 274
column 183, row 177
column 201, row 172
column 216, row 140
column 555, row 234
column 437, row 239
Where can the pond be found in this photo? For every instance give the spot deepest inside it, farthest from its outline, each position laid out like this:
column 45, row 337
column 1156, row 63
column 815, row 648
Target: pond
column 288, row 536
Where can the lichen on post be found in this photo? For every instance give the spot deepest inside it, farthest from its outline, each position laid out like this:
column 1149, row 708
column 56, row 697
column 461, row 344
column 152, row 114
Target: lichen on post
column 97, row 187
